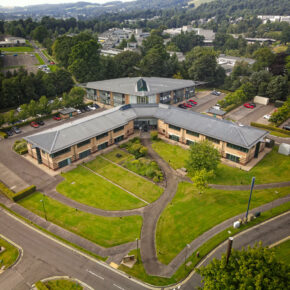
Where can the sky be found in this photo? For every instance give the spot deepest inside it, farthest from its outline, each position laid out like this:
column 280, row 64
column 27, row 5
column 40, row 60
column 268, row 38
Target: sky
column 6, row 3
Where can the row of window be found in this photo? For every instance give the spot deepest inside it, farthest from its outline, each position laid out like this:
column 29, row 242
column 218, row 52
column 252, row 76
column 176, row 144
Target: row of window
column 236, row 147
column 174, row 127
column 192, row 133
column 63, row 151
column 118, row 129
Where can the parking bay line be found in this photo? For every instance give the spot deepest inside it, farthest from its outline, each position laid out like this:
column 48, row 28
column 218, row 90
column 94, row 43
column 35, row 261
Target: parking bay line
column 100, row 277
column 118, row 286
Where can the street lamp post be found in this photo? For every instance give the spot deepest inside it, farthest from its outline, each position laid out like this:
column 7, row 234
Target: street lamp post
column 44, row 209
column 137, row 251
column 186, row 254
column 252, row 186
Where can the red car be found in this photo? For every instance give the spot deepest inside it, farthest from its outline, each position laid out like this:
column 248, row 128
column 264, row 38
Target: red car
column 249, row 106
column 34, row 124
column 56, row 118
column 52, row 62
column 187, row 105
column 193, row 101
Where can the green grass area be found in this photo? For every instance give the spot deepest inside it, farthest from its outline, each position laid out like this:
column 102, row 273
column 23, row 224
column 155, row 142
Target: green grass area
column 119, row 156
column 190, row 214
column 63, row 284
column 86, row 187
column 40, row 60
column 53, row 67
column 283, row 252
column 9, row 256
column 105, row 231
column 266, row 171
column 135, row 184
column 172, row 154
column 44, row 51
column 17, row 49
column 183, row 271
column 279, row 134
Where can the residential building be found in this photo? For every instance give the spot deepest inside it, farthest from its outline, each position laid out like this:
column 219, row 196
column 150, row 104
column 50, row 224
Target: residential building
column 12, row 41
column 274, row 18
column 140, row 90
column 60, row 146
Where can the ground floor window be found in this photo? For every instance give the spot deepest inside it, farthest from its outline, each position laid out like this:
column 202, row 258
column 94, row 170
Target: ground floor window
column 174, row 137
column 233, row 158
column 103, row 146
column 189, row 142
column 119, row 138
column 64, row 163
column 84, row 154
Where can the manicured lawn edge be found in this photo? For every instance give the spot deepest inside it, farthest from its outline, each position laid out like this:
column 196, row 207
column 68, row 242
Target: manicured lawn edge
column 12, row 248
column 40, row 60
column 203, row 250
column 53, row 235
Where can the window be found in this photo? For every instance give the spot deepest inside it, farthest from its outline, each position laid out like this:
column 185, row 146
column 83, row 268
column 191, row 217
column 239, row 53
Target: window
column 105, row 97
column 84, row 154
column 118, row 129
column 53, row 155
column 192, row 133
column 102, row 136
column 233, row 158
column 142, row 100
column 63, row 163
column 189, row 142
column 142, row 86
column 236, row 147
column 213, row 140
column 174, row 137
column 103, row 146
column 118, row 139
column 84, row 143
column 174, row 127
column 119, row 99
column 165, row 98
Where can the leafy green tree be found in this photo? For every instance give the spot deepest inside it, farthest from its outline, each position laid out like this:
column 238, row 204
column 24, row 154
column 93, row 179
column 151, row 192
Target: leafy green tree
column 76, row 96
column 2, row 119
column 201, row 178
column 132, row 38
column 123, row 44
column 40, row 33
column 265, row 57
column 285, row 35
column 126, row 64
column 202, row 155
column 10, row 116
column 43, row 106
column 154, row 40
column 254, row 268
column 187, row 41
column 61, row 49
column 282, row 114
column 24, row 113
column 33, row 108
column 277, row 88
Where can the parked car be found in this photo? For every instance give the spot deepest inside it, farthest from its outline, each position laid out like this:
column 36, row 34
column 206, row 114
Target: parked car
column 40, row 122
column 286, row 127
column 267, row 117
column 34, row 124
column 16, row 130
column 9, row 133
column 182, row 106
column 56, row 118
column 82, row 110
column 249, row 105
column 91, row 108
column 87, row 108
column 52, row 62
column 15, row 54
column 96, row 106
column 216, row 93
column 79, row 111
column 188, row 105
column 193, row 102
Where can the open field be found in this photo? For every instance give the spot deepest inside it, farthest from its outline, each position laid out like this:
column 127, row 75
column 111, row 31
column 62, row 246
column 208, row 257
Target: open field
column 86, row 187
column 10, row 255
column 190, row 214
column 283, row 252
column 17, row 49
column 135, row 184
column 266, row 171
column 104, row 231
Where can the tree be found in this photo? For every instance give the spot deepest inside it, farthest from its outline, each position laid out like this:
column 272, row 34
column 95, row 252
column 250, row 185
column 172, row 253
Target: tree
column 132, row 38
column 202, row 155
column 123, row 44
column 154, row 40
column 285, row 35
column 265, row 57
column 277, row 88
column 201, row 178
column 40, row 33
column 282, row 114
column 254, row 268
column 10, row 116
column 76, row 96
column 43, row 106
column 33, row 108
column 126, row 63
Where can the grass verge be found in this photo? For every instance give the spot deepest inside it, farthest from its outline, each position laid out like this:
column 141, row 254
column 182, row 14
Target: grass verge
column 86, row 187
column 17, row 49
column 40, row 60
column 10, row 255
column 63, row 284
column 104, row 231
column 190, row 214
column 135, row 184
column 283, row 252
column 183, row 271
column 53, row 235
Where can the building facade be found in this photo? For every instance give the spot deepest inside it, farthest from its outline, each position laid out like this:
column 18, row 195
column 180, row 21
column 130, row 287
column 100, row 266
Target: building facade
column 117, row 92
column 64, row 144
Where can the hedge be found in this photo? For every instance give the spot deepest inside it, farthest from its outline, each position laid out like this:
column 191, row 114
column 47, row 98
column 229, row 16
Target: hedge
column 3, row 135
column 231, row 107
column 271, row 128
column 16, row 196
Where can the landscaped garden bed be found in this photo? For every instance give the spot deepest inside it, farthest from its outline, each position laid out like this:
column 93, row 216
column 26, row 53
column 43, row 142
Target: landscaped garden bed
column 8, row 254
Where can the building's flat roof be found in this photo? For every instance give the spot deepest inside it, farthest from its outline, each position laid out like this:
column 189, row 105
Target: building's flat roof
column 68, row 134
column 67, row 111
column 216, row 112
column 128, row 85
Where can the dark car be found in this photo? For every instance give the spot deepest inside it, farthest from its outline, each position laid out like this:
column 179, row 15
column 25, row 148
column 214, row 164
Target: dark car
column 82, row 110
column 216, row 93
column 87, row 109
column 286, row 127
column 96, row 106
column 16, row 130
column 182, row 106
column 9, row 133
column 40, row 122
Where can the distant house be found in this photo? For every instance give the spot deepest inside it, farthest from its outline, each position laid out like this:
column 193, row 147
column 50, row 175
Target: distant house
column 68, row 113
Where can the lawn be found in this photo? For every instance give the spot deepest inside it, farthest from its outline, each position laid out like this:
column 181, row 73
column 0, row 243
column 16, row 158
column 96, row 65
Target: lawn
column 190, row 214
column 10, row 255
column 17, row 49
column 172, row 154
column 104, row 231
column 40, row 60
column 266, row 171
column 283, row 252
column 63, row 284
column 86, row 187
column 119, row 156
column 131, row 182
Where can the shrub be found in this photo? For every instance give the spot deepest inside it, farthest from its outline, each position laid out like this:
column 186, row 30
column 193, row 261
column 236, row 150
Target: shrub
column 271, row 128
column 16, row 196
column 3, row 135
column 155, row 179
column 20, row 147
column 40, row 286
column 154, row 135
